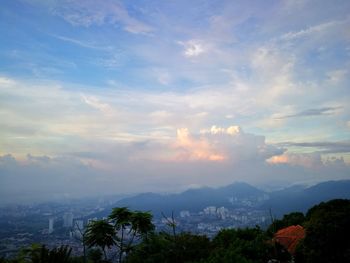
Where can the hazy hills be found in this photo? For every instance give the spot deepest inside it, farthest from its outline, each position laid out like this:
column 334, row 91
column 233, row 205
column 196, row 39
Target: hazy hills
column 237, row 195
column 300, row 199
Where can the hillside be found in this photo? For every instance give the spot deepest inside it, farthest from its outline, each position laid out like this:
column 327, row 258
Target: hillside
column 237, row 195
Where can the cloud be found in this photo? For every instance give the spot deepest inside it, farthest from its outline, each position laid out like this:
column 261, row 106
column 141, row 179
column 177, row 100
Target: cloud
column 313, row 112
column 88, row 13
column 337, row 76
column 317, row 29
column 309, row 160
column 223, row 144
column 322, row 147
column 5, row 82
column 37, row 178
column 80, row 43
column 232, row 130
column 113, row 169
column 273, row 70
column 264, row 70
column 162, row 76
column 97, row 104
column 193, row 48
column 195, row 149
column 313, row 161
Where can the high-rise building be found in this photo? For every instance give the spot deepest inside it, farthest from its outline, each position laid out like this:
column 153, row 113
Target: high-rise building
column 210, row 210
column 68, row 219
column 51, row 223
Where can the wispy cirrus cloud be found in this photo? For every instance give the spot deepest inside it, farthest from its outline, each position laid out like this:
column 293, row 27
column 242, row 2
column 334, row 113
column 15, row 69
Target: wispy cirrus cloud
column 312, row 112
column 81, row 43
column 88, row 13
column 321, row 29
column 322, row 147
column 97, row 104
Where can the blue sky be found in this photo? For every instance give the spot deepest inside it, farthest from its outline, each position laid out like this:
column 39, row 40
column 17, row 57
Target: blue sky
column 132, row 96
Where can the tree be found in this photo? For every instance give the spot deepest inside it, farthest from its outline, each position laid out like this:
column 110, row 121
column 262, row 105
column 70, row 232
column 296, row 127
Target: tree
column 327, row 233
column 95, row 255
column 243, row 245
column 130, row 225
column 141, row 223
column 40, row 254
column 81, row 238
column 100, row 233
column 120, row 217
column 166, row 248
column 294, row 218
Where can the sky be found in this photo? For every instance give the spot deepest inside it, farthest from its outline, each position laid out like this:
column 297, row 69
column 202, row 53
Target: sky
column 115, row 97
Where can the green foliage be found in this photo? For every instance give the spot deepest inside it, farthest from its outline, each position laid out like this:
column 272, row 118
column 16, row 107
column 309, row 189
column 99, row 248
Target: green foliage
column 163, row 247
column 120, row 216
column 132, row 232
column 40, row 254
column 95, row 255
column 241, row 245
column 100, row 233
column 122, row 229
column 327, row 233
column 230, row 245
column 139, row 225
column 295, row 218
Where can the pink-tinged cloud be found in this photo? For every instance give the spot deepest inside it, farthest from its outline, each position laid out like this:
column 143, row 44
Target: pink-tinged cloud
column 308, row 160
column 190, row 148
column 222, row 144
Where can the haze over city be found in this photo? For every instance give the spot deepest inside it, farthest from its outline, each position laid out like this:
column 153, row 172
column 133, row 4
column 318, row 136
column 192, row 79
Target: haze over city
column 118, row 97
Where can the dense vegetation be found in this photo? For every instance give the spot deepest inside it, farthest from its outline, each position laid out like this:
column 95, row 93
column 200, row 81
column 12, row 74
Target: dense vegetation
column 327, row 228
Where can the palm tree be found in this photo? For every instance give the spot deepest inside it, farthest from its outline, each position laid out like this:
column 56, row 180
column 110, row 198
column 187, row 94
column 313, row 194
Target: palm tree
column 100, row 233
column 139, row 224
column 121, row 218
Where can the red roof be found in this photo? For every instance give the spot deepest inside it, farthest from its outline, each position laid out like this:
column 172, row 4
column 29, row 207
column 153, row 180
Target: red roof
column 289, row 237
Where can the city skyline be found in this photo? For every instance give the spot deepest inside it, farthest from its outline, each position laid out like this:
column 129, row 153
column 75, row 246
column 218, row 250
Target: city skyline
column 119, row 97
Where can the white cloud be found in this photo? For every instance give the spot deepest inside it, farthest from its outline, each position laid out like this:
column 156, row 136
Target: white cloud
column 6, row 82
column 274, row 70
column 232, row 130
column 337, row 76
column 317, row 29
column 193, row 48
column 97, row 104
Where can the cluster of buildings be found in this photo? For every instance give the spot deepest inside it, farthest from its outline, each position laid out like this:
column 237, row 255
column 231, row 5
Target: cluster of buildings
column 212, row 219
column 63, row 224
column 52, row 224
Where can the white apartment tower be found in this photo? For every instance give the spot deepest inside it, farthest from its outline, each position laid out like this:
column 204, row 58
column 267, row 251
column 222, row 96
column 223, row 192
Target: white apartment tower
column 68, row 219
column 51, row 223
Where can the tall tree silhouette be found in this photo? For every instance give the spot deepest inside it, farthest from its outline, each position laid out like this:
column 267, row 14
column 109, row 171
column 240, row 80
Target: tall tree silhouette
column 100, row 233
column 40, row 254
column 129, row 225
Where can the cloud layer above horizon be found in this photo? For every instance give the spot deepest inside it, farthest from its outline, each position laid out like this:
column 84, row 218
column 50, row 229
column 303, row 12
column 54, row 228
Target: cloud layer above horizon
column 119, row 96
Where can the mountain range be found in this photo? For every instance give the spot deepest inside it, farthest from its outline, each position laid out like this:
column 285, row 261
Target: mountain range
column 237, row 195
